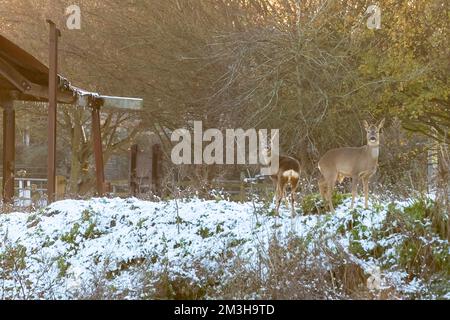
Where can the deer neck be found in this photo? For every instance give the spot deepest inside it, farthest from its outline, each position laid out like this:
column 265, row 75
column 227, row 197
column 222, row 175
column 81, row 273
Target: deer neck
column 373, row 151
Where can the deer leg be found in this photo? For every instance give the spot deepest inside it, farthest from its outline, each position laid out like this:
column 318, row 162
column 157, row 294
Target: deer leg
column 284, row 195
column 330, row 196
column 281, row 191
column 275, row 186
column 354, row 190
column 286, row 202
column 366, row 191
column 323, row 188
column 294, row 185
column 278, row 199
column 331, row 180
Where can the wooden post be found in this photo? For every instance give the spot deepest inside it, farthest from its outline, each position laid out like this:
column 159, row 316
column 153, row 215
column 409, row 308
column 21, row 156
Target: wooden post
column 133, row 164
column 156, row 169
column 52, row 87
column 242, row 187
column 9, row 150
column 98, row 151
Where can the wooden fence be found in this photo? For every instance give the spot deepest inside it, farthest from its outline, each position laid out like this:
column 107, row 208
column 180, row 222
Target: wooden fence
column 28, row 191
column 33, row 190
column 237, row 190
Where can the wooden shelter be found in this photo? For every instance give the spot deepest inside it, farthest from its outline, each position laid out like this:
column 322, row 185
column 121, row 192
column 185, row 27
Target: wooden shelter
column 24, row 78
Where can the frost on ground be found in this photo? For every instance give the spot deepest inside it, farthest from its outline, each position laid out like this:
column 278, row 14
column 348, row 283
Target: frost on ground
column 129, row 248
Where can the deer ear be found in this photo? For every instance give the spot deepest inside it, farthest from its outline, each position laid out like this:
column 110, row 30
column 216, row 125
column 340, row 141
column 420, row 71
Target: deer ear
column 381, row 123
column 365, row 124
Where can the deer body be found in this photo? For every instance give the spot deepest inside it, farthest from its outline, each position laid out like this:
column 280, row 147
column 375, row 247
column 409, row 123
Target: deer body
column 356, row 163
column 349, row 161
column 288, row 174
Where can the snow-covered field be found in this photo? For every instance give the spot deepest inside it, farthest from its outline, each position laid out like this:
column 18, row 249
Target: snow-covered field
column 73, row 246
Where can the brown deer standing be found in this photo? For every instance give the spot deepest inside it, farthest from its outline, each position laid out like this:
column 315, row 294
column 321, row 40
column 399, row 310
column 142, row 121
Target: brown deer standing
column 288, row 173
column 360, row 162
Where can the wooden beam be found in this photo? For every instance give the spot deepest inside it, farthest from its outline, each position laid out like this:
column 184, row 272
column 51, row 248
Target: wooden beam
column 98, row 151
column 9, row 150
column 133, row 165
column 27, row 87
column 13, row 76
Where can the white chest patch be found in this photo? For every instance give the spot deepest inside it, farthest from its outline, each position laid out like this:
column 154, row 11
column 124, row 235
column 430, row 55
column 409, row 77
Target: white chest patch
column 375, row 152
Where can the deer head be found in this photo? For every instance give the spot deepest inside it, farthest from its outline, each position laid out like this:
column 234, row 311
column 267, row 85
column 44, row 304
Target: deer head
column 373, row 132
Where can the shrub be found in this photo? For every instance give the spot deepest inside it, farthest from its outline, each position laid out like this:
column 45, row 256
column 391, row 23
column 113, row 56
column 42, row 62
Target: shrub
column 314, row 204
column 419, row 248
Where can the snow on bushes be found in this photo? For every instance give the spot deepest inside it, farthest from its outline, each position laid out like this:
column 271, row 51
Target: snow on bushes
column 123, row 248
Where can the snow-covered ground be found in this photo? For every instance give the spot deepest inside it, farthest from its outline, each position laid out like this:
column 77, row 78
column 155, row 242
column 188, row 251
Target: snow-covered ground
column 61, row 250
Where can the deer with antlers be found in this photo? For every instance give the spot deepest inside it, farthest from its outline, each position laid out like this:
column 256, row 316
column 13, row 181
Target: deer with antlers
column 356, row 163
column 288, row 174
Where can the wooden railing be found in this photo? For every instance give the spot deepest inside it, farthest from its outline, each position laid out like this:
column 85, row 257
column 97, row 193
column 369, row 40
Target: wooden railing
column 238, row 190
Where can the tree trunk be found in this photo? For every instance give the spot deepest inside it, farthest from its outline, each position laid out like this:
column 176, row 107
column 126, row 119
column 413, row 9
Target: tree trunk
column 76, row 149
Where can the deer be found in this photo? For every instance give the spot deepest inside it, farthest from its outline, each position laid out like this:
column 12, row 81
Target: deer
column 288, row 173
column 354, row 162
